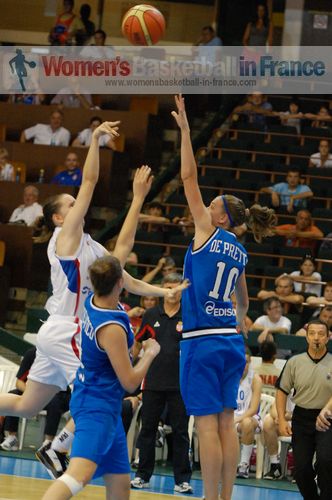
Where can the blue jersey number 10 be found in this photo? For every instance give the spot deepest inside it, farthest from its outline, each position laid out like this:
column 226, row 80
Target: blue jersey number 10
column 228, row 287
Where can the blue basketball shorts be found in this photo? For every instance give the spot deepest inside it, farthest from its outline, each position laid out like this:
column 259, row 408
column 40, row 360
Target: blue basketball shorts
column 210, row 371
column 100, row 437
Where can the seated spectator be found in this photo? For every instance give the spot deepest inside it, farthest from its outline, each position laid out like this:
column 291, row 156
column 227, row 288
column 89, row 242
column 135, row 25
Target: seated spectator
column 28, row 212
column 323, row 158
column 6, row 169
column 165, row 266
column 292, row 117
column 208, row 38
column 153, row 216
column 302, row 234
column 325, row 300
column 67, row 26
column 67, row 97
column 246, row 418
column 255, row 109
column 186, row 222
column 267, row 370
column 321, row 119
column 53, row 134
column 55, row 408
column 271, row 434
column 84, row 137
column 131, row 264
column 284, row 291
column 290, row 195
column 26, row 99
column 72, row 176
column 325, row 315
column 273, row 322
column 303, row 278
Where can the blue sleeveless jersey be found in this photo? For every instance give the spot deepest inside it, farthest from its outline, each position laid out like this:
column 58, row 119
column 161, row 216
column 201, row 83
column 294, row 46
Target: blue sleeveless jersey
column 212, row 270
column 96, row 385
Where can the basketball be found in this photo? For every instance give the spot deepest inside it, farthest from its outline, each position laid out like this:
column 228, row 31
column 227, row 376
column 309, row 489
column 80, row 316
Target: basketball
column 32, row 64
column 143, row 25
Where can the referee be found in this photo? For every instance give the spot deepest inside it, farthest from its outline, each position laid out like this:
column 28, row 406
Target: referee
column 310, row 375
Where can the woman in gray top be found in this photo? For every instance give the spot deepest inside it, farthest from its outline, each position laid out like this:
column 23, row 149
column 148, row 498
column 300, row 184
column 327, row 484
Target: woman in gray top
column 260, row 30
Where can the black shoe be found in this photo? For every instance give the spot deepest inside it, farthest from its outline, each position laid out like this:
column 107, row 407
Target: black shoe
column 55, row 462
column 274, row 472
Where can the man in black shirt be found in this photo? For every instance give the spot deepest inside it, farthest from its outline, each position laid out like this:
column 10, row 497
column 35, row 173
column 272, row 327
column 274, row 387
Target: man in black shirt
column 161, row 386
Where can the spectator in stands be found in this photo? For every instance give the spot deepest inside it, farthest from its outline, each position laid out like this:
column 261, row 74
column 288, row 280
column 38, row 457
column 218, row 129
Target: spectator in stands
column 291, row 195
column 153, row 217
column 303, row 278
column 55, row 408
column 302, row 234
column 6, row 169
column 326, row 300
column 73, row 96
column 131, row 264
column 67, row 26
column 271, row 434
column 72, row 176
column 165, row 266
column 323, row 158
column 89, row 26
column 260, row 30
column 284, row 291
column 272, row 322
column 28, row 212
column 255, row 110
column 321, row 119
column 267, row 370
column 208, row 38
column 84, row 137
column 246, row 418
column 186, row 222
column 26, row 98
column 325, row 315
column 292, row 117
column 53, row 134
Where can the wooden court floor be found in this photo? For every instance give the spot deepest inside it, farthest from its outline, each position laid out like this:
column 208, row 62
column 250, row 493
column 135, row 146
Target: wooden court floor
column 26, row 488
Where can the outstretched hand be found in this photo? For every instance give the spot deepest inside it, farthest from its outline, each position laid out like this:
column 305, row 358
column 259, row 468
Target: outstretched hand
column 142, row 181
column 171, row 292
column 109, row 128
column 180, row 116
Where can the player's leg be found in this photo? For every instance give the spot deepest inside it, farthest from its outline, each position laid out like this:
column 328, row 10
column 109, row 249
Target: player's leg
column 210, row 452
column 33, row 400
column 270, row 433
column 247, row 436
column 117, row 486
column 79, row 473
column 230, row 451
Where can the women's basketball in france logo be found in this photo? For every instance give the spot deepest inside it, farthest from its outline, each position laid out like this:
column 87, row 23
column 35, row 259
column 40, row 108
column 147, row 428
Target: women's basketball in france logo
column 20, row 78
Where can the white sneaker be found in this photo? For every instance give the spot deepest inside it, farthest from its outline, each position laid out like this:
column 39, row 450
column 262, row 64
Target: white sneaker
column 10, row 443
column 139, row 483
column 243, row 470
column 183, row 488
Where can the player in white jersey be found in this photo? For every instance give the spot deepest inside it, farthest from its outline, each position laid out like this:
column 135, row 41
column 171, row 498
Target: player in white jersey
column 71, row 252
column 246, row 418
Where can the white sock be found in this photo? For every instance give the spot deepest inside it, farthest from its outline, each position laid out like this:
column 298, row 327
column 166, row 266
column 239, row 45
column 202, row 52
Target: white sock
column 274, row 459
column 246, row 453
column 45, row 442
column 62, row 441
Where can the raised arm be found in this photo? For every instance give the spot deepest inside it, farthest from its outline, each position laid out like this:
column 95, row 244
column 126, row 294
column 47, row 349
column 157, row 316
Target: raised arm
column 72, row 228
column 201, row 215
column 138, row 287
column 141, row 187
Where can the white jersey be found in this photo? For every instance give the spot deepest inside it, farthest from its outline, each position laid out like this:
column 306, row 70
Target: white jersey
column 70, row 276
column 244, row 394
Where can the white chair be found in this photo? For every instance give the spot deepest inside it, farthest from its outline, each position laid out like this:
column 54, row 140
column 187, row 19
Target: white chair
column 255, row 361
column 7, row 377
column 31, row 338
column 264, row 408
column 133, row 433
column 41, row 418
column 280, row 363
column 285, row 443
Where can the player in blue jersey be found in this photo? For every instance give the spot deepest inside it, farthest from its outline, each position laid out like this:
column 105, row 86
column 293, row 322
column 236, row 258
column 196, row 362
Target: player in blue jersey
column 212, row 352
column 100, row 447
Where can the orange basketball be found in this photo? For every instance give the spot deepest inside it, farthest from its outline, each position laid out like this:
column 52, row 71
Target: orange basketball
column 143, row 25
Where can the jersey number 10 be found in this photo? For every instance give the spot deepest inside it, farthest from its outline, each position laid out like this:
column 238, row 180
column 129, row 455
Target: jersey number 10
column 230, row 283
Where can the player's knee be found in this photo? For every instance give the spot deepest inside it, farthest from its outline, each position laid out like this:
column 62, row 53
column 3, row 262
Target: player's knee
column 268, row 423
column 72, row 484
column 247, row 425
